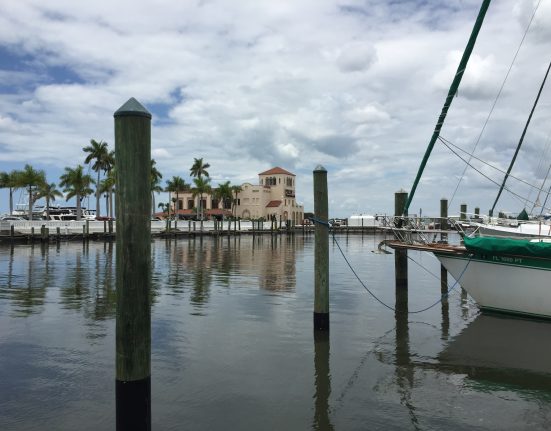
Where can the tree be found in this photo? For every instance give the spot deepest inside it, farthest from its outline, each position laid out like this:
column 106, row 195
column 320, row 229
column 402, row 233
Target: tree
column 76, row 184
column 48, row 191
column 106, row 187
column 156, row 177
column 202, row 186
column 176, row 185
column 9, row 181
column 165, row 208
column 30, row 179
column 99, row 154
column 224, row 193
column 236, row 190
column 198, row 169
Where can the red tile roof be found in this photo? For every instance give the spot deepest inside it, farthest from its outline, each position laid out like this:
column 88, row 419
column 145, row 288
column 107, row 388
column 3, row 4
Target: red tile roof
column 218, row 211
column 275, row 171
column 273, row 204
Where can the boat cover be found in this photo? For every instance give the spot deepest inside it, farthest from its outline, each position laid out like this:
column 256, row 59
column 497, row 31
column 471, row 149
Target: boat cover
column 510, row 246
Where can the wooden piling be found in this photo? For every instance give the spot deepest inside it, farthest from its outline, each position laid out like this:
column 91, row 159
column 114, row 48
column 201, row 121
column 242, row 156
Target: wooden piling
column 133, row 263
column 321, row 260
column 443, row 238
column 463, row 212
column 400, row 256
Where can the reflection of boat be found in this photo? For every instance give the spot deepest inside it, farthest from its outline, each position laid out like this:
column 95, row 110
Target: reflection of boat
column 501, row 274
column 502, row 350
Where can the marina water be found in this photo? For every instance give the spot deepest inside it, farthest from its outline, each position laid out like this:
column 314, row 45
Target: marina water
column 233, row 346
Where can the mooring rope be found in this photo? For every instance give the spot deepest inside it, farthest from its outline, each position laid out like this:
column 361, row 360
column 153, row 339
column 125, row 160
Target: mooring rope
column 442, row 296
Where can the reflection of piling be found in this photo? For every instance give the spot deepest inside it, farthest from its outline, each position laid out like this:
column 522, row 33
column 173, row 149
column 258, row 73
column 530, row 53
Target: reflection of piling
column 322, row 381
column 133, row 260
column 443, row 238
column 321, row 264
column 400, row 256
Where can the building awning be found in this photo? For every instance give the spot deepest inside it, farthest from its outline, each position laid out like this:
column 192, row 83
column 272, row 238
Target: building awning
column 273, row 204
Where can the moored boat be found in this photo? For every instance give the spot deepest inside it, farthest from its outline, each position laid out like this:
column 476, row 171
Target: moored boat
column 501, row 274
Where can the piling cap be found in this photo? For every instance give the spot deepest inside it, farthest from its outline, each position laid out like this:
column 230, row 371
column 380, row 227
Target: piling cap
column 320, row 168
column 132, row 108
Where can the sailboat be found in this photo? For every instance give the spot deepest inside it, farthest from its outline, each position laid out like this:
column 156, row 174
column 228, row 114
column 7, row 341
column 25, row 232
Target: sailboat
column 505, row 274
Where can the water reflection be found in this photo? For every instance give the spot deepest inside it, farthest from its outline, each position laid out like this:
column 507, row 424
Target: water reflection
column 497, row 350
column 322, row 384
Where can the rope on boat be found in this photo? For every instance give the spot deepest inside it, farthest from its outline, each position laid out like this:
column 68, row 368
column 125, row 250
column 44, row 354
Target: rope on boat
column 442, row 296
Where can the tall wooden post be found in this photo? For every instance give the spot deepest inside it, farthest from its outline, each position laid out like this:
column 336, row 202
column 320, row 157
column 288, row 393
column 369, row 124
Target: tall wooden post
column 400, row 256
column 321, row 262
column 133, row 262
column 477, row 212
column 463, row 212
column 443, row 238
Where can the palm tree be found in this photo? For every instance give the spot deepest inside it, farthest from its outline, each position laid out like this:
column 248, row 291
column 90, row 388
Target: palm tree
column 9, row 181
column 30, row 179
column 156, row 177
column 198, row 169
column 236, row 190
column 77, row 184
column 202, row 187
column 224, row 192
column 165, row 208
column 106, row 188
column 97, row 152
column 176, row 185
column 48, row 191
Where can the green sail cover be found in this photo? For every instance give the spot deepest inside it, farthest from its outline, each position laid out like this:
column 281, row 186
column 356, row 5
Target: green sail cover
column 508, row 246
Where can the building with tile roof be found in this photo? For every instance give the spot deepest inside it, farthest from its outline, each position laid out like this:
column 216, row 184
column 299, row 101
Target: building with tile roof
column 272, row 197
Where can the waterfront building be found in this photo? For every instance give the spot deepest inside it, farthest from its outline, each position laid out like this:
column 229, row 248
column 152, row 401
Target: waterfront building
column 273, row 197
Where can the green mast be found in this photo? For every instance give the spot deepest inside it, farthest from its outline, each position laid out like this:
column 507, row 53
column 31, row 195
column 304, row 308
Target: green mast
column 451, row 93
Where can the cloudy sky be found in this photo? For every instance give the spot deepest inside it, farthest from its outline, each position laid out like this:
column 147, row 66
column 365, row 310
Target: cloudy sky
column 353, row 85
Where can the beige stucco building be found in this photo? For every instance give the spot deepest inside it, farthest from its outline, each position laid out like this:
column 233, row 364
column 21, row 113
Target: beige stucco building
column 273, row 196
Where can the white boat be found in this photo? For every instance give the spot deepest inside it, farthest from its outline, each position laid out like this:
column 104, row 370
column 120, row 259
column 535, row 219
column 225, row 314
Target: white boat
column 521, row 230
column 501, row 274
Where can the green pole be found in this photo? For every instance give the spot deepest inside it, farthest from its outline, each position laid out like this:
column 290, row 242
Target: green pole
column 451, row 93
column 133, row 263
column 321, row 256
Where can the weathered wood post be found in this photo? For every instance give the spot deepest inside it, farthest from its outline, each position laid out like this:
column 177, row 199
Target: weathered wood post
column 32, row 234
column 104, row 227
column 133, row 263
column 87, row 228
column 43, row 233
column 477, row 212
column 321, row 256
column 443, row 238
column 463, row 212
column 12, row 232
column 58, row 233
column 400, row 256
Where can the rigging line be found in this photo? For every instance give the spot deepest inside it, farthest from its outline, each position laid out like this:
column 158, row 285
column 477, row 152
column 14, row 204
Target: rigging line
column 519, row 197
column 447, row 142
column 444, row 295
column 495, row 100
column 521, row 139
column 543, row 157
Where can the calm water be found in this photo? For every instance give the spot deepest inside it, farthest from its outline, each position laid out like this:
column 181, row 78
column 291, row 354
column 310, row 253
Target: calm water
column 233, row 346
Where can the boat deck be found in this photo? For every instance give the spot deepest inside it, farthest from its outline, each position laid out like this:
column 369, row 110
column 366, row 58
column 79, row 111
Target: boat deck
column 435, row 247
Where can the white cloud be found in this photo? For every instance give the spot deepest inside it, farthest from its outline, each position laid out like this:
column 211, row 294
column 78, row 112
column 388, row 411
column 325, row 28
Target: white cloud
column 356, row 86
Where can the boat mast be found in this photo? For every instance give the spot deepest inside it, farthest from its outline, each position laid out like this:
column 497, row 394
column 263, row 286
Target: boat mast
column 520, row 141
column 451, row 93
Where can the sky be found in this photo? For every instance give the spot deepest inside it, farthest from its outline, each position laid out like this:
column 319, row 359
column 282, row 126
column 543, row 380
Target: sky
column 353, row 85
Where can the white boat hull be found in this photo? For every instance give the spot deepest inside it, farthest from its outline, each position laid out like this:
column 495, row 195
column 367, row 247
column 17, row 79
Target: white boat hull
column 503, row 285
column 523, row 230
